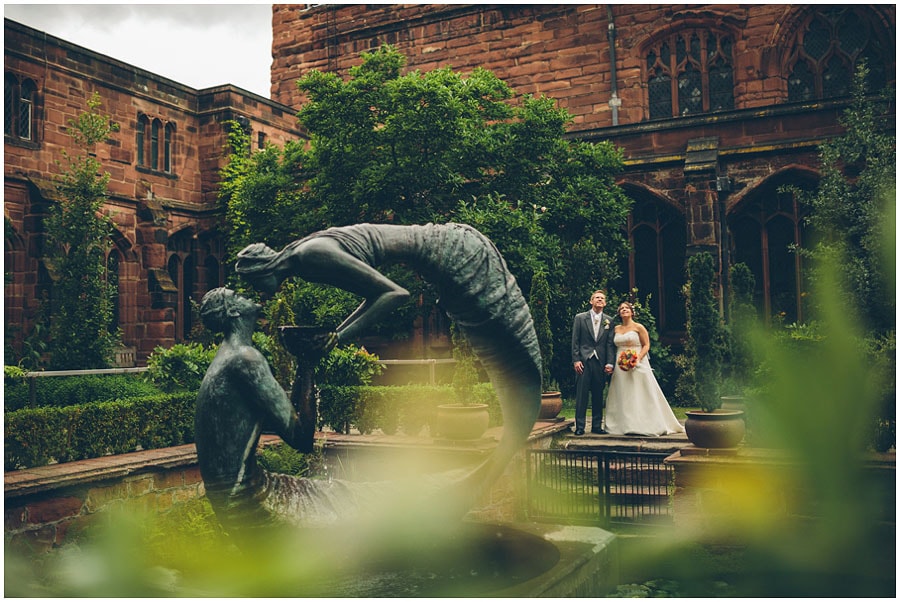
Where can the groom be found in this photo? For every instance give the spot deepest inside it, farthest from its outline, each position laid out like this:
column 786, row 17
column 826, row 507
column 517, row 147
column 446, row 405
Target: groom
column 593, row 355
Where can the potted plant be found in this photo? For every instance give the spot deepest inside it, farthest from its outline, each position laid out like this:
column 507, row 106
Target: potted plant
column 712, row 427
column 463, row 420
column 539, row 304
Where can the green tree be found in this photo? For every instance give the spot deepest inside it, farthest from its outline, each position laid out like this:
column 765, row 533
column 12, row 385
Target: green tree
column 406, row 148
column 742, row 320
column 853, row 203
column 539, row 304
column 698, row 384
column 78, row 234
column 853, row 209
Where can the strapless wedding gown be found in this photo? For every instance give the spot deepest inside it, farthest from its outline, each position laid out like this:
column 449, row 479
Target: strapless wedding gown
column 635, row 404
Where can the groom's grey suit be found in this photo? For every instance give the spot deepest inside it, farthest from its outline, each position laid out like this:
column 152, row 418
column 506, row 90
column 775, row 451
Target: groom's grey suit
column 595, row 353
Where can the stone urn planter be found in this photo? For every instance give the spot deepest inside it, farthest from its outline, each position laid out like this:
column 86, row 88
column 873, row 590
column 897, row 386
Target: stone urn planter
column 462, row 422
column 551, row 404
column 719, row 429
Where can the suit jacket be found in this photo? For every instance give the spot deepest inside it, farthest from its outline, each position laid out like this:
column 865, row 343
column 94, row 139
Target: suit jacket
column 584, row 344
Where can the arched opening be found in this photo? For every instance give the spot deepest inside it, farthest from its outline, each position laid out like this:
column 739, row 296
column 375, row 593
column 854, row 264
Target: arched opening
column 657, row 233
column 766, row 227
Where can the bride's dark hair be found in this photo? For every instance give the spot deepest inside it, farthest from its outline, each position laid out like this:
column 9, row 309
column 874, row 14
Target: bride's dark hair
column 629, row 306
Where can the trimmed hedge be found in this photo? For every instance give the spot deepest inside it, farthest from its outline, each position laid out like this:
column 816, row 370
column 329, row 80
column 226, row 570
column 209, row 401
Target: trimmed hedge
column 406, row 408
column 61, row 391
column 37, row 436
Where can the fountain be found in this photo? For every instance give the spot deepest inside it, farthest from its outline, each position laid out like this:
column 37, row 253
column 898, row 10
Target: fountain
column 407, row 536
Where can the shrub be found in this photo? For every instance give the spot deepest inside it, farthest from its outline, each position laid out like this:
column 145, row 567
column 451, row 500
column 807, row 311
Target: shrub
column 348, row 366
column 37, row 436
column 539, row 304
column 703, row 347
column 61, row 391
column 284, row 459
column 179, row 368
column 406, row 408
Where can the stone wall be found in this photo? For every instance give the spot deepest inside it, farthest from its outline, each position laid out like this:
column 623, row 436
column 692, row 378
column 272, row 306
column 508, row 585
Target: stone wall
column 38, row 522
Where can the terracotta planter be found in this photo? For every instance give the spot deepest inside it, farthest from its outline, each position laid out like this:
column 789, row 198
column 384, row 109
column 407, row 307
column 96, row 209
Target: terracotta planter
column 717, row 429
column 551, row 404
column 462, row 422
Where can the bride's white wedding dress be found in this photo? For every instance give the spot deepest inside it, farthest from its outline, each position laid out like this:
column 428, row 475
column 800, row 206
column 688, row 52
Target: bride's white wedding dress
column 635, row 404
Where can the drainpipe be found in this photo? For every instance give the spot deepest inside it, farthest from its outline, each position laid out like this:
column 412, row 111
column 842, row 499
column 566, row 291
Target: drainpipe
column 614, row 101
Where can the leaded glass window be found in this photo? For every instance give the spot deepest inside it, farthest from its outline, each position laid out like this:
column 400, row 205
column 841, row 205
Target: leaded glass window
column 167, row 147
column 698, row 77
column 154, row 144
column 142, row 124
column 829, row 46
column 19, row 98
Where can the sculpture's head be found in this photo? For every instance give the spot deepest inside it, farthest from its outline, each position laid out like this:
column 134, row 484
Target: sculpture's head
column 221, row 306
column 256, row 264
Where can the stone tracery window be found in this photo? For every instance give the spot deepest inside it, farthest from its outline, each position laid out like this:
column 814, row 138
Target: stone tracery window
column 829, row 45
column 690, row 72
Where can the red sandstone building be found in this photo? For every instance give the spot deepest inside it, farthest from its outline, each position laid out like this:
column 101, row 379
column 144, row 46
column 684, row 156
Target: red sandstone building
column 715, row 106
column 164, row 163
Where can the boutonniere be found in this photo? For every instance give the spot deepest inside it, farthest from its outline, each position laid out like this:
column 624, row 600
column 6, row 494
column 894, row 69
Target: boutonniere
column 606, row 324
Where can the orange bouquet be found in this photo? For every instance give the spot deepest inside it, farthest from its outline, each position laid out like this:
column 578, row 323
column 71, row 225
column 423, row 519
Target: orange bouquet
column 628, row 359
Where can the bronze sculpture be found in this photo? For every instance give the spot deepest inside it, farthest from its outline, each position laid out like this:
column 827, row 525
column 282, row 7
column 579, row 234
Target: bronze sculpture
column 476, row 290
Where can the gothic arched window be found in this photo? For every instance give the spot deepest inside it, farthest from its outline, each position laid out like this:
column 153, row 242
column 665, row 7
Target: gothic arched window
column 690, row 72
column 765, row 229
column 830, row 43
column 658, row 236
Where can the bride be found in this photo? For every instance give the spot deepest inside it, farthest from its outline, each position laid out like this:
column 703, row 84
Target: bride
column 635, row 404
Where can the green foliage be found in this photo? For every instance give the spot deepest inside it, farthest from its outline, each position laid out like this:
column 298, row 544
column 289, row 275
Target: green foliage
column 61, row 391
column 407, row 408
column 279, row 313
column 853, row 205
column 388, row 147
column 739, row 363
column 539, row 303
column 704, row 345
column 12, row 376
column 348, row 366
column 80, row 311
column 284, row 459
column 465, row 372
column 37, row 436
column 179, row 368
column 34, row 345
column 656, row 588
column 853, row 210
